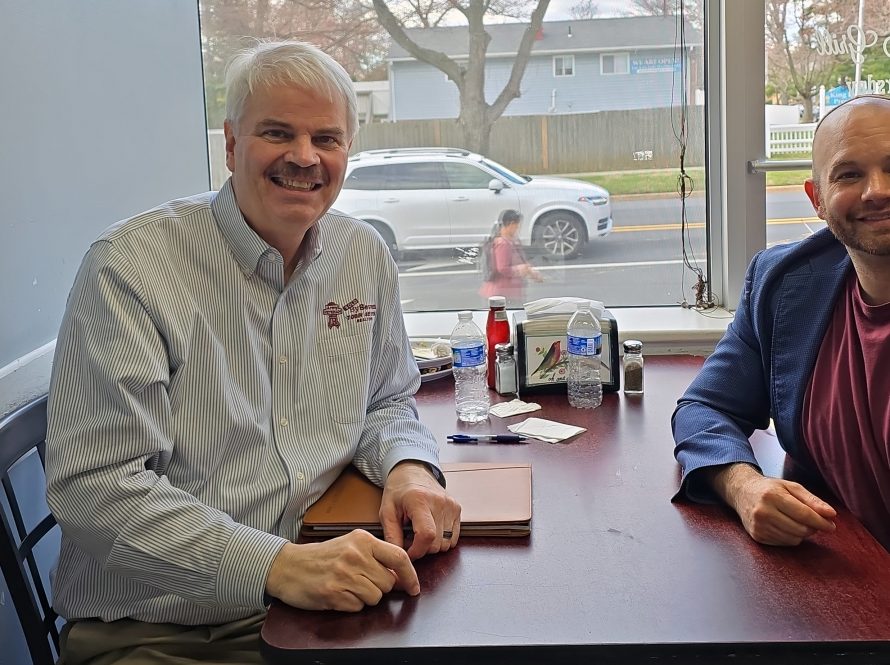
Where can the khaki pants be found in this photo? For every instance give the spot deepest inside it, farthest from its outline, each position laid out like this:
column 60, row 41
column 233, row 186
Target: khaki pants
column 132, row 642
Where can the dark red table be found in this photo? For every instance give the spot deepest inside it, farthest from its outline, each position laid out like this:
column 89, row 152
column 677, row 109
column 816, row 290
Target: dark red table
column 613, row 571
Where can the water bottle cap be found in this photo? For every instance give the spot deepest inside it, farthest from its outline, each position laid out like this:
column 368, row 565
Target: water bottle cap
column 497, row 301
column 465, row 315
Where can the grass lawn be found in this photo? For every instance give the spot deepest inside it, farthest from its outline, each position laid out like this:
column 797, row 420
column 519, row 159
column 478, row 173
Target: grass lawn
column 658, row 181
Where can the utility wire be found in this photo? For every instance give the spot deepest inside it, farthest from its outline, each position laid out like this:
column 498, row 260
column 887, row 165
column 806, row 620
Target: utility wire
column 685, row 183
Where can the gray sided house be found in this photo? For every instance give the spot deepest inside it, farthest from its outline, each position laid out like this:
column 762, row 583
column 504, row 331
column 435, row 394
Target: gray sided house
column 578, row 66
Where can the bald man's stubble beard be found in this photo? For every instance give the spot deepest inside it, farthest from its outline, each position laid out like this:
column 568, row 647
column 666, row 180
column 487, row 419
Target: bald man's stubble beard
column 853, row 235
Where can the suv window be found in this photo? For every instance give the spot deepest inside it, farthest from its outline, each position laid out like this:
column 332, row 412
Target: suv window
column 366, row 177
column 466, row 176
column 414, row 175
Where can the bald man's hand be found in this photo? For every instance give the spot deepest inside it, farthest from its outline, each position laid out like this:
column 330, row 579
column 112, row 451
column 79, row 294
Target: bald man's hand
column 345, row 573
column 773, row 511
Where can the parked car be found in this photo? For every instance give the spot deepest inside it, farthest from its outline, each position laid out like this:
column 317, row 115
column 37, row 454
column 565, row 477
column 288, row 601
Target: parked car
column 436, row 198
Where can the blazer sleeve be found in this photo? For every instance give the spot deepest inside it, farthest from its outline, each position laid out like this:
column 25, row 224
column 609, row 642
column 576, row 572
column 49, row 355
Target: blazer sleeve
column 728, row 399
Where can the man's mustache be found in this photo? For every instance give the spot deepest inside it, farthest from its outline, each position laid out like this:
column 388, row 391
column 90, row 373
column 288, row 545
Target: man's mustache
column 293, row 171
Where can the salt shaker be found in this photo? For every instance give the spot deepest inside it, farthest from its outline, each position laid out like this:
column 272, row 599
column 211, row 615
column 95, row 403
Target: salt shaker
column 505, row 369
column 633, row 367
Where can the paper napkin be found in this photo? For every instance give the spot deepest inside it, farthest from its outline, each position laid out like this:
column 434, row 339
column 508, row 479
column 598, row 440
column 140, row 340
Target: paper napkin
column 513, row 408
column 565, row 305
column 545, row 430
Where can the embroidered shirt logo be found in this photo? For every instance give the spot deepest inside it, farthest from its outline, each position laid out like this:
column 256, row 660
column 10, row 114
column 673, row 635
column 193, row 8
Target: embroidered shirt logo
column 358, row 311
column 333, row 311
column 354, row 310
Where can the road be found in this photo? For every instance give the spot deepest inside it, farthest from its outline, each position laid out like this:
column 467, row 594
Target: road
column 640, row 263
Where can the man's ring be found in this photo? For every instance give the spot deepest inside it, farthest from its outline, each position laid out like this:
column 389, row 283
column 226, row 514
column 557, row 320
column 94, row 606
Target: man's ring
column 447, row 534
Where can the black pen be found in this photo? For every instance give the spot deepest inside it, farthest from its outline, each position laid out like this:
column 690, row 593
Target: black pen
column 494, row 438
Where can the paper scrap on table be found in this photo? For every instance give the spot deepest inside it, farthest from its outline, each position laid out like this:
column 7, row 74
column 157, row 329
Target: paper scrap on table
column 545, row 430
column 513, row 408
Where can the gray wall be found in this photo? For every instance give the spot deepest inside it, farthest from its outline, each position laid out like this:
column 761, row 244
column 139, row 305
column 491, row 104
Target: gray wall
column 102, row 116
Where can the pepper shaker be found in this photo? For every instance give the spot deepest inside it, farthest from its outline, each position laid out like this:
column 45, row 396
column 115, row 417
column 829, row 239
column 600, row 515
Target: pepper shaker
column 633, row 367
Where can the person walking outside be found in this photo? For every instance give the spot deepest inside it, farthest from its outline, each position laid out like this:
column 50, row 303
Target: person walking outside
column 504, row 263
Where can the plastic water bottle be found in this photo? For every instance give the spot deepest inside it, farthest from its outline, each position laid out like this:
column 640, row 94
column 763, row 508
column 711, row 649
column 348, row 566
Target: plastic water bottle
column 470, row 388
column 585, row 340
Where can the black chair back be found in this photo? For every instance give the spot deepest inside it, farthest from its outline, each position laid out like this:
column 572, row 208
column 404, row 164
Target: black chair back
column 23, row 433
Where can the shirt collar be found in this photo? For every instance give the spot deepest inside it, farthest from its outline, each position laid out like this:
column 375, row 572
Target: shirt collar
column 247, row 247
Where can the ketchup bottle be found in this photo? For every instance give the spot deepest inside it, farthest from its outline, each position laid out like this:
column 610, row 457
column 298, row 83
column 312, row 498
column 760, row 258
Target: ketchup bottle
column 497, row 330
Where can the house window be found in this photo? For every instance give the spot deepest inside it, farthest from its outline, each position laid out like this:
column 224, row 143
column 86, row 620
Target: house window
column 564, row 65
column 614, row 63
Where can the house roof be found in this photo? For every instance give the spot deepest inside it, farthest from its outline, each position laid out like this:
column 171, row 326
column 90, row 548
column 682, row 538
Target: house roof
column 601, row 34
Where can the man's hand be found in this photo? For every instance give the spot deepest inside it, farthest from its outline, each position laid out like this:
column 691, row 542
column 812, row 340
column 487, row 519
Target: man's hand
column 344, row 573
column 773, row 511
column 412, row 496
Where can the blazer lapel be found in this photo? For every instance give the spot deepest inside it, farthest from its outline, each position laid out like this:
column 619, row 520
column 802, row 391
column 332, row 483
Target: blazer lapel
column 803, row 311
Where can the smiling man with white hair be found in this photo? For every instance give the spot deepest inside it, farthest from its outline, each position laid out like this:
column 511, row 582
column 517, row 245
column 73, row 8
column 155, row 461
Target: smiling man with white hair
column 809, row 347
column 221, row 360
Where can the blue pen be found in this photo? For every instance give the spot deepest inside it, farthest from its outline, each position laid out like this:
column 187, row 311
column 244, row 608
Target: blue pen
column 494, row 438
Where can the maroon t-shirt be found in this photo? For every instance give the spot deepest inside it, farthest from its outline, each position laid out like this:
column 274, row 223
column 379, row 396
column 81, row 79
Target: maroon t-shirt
column 846, row 409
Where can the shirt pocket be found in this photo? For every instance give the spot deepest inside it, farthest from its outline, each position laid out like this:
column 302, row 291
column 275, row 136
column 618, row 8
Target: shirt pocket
column 345, row 374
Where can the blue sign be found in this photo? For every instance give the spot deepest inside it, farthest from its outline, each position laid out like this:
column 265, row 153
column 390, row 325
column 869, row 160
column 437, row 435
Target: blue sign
column 654, row 64
column 837, row 95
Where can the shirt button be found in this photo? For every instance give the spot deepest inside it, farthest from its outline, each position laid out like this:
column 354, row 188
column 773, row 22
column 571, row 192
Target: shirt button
column 282, row 360
column 282, row 421
column 300, row 475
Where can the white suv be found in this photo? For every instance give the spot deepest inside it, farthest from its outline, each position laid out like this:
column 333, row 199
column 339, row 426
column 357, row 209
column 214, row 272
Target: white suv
column 437, row 198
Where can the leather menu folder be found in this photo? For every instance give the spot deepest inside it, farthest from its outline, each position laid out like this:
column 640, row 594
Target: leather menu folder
column 495, row 499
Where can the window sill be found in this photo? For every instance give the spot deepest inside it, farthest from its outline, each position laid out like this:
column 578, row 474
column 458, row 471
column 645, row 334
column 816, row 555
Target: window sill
column 663, row 330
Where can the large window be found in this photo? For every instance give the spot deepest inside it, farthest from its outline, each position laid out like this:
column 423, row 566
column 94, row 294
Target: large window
column 818, row 55
column 587, row 149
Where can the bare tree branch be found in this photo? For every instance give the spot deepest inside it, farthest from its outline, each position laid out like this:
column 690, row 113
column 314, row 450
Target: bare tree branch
column 394, row 27
column 476, row 115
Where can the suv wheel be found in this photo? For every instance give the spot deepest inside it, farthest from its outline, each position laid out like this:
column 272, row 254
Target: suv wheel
column 390, row 240
column 560, row 235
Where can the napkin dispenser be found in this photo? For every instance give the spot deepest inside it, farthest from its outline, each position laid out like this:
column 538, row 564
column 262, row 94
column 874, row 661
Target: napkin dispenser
column 542, row 358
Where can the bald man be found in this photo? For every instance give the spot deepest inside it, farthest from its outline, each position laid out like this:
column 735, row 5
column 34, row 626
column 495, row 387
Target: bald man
column 809, row 347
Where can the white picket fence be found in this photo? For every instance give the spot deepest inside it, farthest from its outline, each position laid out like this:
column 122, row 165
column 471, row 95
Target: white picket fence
column 789, row 139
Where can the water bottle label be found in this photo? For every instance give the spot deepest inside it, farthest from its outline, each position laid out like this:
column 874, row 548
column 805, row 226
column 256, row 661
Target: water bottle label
column 585, row 346
column 470, row 356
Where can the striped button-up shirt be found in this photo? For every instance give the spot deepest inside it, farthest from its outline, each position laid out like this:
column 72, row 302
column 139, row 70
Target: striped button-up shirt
column 199, row 405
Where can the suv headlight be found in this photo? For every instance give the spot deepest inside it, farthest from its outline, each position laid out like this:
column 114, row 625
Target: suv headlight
column 594, row 199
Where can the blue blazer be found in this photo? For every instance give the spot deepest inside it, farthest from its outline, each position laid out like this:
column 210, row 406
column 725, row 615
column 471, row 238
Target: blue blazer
column 761, row 367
